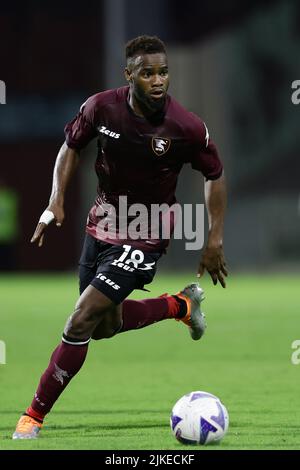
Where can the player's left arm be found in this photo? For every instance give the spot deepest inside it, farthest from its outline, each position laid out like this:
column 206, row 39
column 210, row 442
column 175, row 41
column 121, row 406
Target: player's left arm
column 205, row 158
column 213, row 260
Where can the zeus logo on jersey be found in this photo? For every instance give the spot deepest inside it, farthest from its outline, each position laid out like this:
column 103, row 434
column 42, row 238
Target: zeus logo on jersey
column 160, row 145
column 104, row 130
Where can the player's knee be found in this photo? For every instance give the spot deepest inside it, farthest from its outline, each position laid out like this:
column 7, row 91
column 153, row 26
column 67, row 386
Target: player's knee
column 76, row 327
column 84, row 319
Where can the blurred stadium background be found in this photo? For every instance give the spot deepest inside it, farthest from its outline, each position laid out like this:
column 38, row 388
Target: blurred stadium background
column 231, row 63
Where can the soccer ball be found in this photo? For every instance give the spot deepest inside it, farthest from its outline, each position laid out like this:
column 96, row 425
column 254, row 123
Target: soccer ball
column 199, row 418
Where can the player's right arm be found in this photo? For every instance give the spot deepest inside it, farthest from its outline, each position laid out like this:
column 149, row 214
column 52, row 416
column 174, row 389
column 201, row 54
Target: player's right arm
column 79, row 132
column 65, row 165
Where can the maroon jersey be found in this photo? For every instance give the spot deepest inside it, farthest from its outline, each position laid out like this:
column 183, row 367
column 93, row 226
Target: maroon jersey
column 139, row 158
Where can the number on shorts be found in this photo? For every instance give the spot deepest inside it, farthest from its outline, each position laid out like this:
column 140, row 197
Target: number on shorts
column 136, row 257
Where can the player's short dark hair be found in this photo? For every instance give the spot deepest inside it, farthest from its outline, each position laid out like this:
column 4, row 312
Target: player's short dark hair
column 146, row 45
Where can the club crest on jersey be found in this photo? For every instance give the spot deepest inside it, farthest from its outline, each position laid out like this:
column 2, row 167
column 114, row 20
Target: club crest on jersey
column 160, row 145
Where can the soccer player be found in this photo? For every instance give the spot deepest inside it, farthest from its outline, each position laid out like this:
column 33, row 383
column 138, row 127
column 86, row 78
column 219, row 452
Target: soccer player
column 144, row 138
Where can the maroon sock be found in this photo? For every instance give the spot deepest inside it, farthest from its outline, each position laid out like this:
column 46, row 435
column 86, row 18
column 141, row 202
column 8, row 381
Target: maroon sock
column 140, row 313
column 65, row 362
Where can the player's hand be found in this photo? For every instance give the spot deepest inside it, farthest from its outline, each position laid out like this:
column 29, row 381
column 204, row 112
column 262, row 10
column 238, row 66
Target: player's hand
column 58, row 217
column 214, row 263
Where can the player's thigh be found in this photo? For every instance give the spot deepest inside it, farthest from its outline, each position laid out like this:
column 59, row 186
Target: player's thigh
column 120, row 270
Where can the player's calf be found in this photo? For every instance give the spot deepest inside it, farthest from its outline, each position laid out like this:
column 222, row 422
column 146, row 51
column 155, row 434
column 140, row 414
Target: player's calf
column 193, row 295
column 109, row 325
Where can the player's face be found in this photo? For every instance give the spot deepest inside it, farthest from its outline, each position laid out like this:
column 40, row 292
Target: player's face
column 149, row 80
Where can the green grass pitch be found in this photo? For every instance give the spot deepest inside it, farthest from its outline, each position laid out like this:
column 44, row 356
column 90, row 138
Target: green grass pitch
column 123, row 396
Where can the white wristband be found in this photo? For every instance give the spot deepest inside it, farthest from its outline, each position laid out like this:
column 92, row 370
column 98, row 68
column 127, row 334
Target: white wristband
column 46, row 217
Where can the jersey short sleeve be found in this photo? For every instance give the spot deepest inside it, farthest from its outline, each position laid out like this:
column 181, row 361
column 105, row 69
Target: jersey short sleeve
column 205, row 157
column 82, row 129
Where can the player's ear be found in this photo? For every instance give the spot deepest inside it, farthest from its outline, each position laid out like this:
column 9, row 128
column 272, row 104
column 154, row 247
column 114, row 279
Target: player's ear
column 128, row 74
